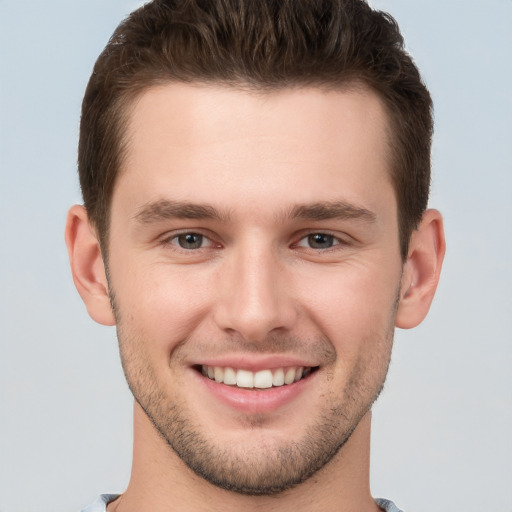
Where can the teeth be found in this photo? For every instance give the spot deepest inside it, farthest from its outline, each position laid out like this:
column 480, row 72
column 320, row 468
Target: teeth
column 229, row 376
column 262, row 379
column 218, row 374
column 244, row 379
column 289, row 376
column 278, row 377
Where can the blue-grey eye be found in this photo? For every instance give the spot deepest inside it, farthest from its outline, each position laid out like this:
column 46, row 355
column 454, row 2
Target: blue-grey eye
column 320, row 241
column 190, row 240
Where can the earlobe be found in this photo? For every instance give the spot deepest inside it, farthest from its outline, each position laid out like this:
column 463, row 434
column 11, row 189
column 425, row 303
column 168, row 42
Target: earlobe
column 87, row 265
column 421, row 270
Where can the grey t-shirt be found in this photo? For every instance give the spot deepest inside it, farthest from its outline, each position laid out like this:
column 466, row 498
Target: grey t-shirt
column 100, row 504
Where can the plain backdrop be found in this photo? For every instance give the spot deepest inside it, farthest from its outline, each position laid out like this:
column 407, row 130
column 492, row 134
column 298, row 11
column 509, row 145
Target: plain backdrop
column 443, row 427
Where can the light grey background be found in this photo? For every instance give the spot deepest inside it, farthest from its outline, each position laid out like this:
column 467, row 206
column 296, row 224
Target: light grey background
column 443, row 427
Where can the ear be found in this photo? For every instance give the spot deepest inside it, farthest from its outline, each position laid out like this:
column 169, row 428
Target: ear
column 421, row 270
column 87, row 265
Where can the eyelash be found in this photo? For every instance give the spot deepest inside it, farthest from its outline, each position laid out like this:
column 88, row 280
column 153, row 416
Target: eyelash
column 174, row 240
column 334, row 240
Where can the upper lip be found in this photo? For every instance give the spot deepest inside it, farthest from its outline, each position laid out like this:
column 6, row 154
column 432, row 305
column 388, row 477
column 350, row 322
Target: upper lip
column 254, row 363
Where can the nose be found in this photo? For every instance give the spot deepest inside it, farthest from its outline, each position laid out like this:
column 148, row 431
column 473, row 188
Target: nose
column 255, row 294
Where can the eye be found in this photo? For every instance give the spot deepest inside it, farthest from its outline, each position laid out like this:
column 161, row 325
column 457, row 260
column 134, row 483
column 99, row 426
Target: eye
column 190, row 241
column 318, row 241
column 190, row 245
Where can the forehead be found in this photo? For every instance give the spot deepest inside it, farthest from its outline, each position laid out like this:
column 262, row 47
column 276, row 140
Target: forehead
column 196, row 142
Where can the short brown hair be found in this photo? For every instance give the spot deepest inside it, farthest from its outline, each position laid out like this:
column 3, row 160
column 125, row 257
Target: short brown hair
column 261, row 44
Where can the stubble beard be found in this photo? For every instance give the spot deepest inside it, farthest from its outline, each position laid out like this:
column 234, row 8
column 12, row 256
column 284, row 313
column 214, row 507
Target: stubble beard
column 274, row 467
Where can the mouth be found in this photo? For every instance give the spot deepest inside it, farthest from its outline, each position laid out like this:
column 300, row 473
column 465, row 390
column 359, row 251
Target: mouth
column 262, row 379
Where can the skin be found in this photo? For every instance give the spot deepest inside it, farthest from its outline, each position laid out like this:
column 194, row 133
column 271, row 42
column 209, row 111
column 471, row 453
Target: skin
column 258, row 177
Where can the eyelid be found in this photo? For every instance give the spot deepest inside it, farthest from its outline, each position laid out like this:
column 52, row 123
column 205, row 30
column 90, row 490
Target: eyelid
column 304, row 242
column 338, row 240
column 170, row 238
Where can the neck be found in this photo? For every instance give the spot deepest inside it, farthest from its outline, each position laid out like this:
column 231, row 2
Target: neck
column 161, row 482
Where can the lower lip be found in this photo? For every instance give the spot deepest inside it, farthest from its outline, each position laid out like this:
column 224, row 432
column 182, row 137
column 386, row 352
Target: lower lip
column 256, row 401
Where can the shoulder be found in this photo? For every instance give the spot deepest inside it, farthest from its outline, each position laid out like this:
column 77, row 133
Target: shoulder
column 387, row 506
column 100, row 503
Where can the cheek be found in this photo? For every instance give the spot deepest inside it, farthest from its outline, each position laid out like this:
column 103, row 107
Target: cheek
column 356, row 304
column 356, row 313
column 159, row 305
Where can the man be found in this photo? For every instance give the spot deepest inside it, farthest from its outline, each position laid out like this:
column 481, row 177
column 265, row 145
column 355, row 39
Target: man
column 255, row 177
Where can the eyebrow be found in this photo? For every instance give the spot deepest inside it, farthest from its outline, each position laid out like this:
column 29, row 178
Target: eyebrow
column 165, row 209
column 327, row 210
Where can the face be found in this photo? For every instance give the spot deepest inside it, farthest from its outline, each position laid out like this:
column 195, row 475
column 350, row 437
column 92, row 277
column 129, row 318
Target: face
column 254, row 270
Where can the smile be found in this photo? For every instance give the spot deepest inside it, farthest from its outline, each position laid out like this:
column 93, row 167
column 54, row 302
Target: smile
column 262, row 379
